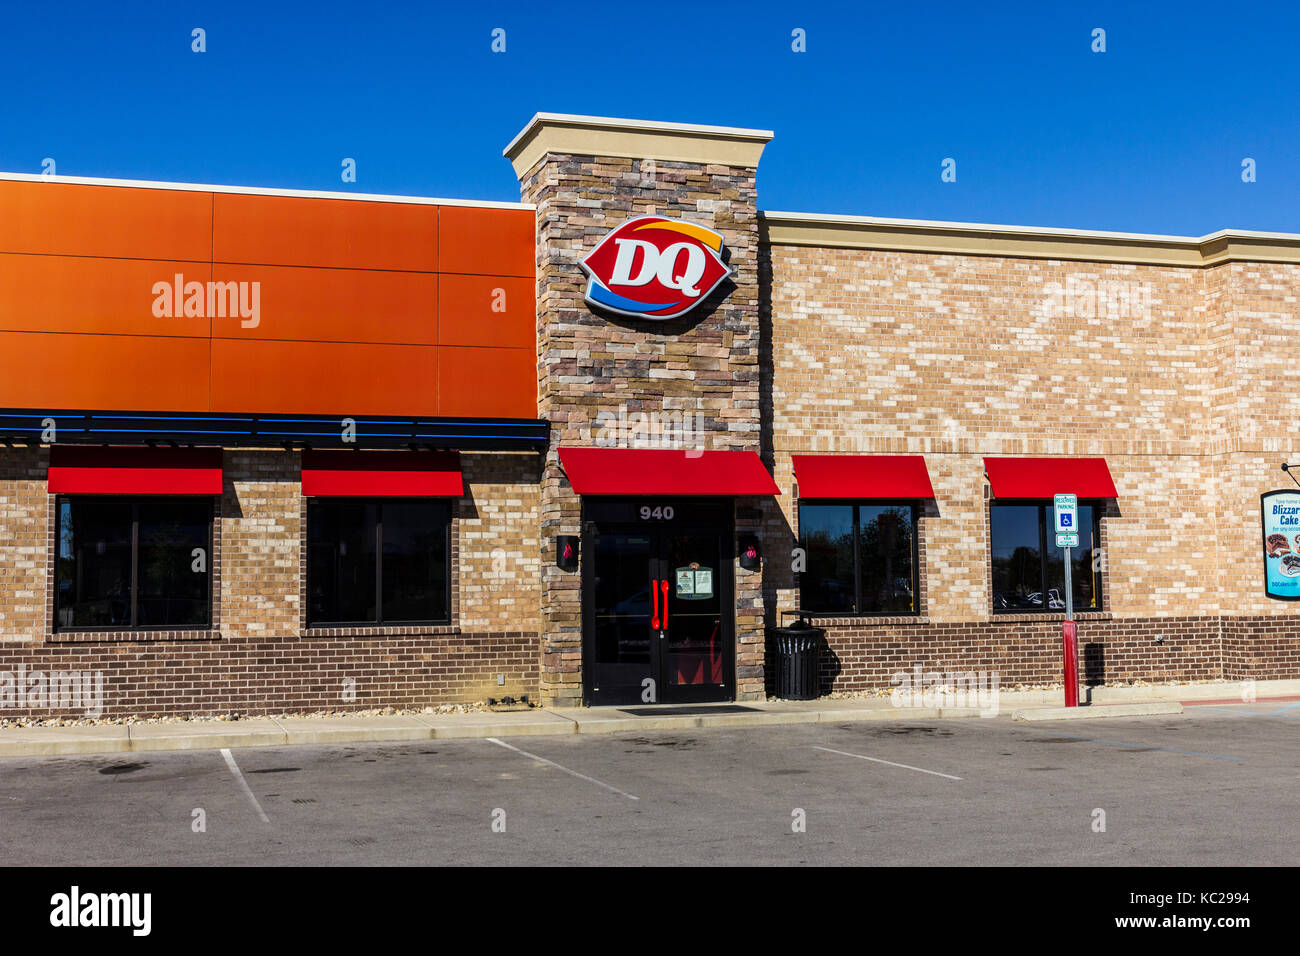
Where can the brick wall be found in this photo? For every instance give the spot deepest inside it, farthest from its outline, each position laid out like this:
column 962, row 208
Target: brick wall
column 497, row 535
column 259, row 657
column 1262, row 647
column 24, row 543
column 283, row 675
column 857, row 657
column 1257, row 406
column 706, row 363
column 1181, row 378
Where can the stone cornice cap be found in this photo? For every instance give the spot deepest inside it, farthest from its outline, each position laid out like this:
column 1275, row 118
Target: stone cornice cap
column 636, row 139
column 985, row 239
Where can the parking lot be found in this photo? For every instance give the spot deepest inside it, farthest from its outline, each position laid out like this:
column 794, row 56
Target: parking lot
column 1213, row 787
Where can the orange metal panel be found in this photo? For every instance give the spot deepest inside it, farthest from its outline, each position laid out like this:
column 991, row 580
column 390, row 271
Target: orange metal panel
column 487, row 310
column 117, row 372
column 113, row 221
column 479, row 241
column 348, row 302
column 334, row 305
column 338, row 233
column 323, row 378
column 486, row 383
column 105, row 296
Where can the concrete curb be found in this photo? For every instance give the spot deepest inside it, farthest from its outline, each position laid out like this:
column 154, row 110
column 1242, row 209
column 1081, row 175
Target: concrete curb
column 1235, row 690
column 1100, row 710
column 265, row 732
column 256, row 732
column 40, row 742
column 530, row 729
column 270, row 732
column 344, row 731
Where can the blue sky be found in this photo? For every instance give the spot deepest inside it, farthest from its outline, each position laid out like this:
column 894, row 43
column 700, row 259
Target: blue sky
column 1146, row 137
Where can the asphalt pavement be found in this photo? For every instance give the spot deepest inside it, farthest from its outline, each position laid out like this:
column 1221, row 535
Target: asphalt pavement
column 1215, row 786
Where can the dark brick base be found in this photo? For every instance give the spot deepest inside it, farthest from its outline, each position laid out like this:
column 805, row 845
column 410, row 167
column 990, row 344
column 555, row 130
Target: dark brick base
column 1261, row 647
column 285, row 675
column 863, row 657
column 196, row 678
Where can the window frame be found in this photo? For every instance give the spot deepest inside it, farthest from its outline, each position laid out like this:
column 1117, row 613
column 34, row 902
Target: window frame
column 1044, row 505
column 914, row 505
column 134, row 628
column 312, row 623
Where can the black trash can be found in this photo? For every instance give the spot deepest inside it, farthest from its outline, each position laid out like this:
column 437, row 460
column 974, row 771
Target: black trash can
column 796, row 658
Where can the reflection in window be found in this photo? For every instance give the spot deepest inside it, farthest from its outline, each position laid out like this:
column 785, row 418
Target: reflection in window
column 861, row 559
column 1028, row 568
column 131, row 562
column 885, row 559
column 377, row 562
column 826, row 535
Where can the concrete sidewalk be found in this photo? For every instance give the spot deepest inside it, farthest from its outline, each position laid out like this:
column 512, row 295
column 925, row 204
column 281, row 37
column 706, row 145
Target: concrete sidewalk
column 270, row 731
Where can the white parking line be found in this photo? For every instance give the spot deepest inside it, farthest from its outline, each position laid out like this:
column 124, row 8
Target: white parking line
column 572, row 773
column 890, row 763
column 248, row 791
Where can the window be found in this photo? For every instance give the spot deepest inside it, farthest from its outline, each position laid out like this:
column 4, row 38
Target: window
column 127, row 563
column 1028, row 567
column 378, row 562
column 861, row 558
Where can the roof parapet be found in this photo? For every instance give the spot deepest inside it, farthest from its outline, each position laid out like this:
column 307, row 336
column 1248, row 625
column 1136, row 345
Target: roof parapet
column 636, row 139
column 980, row 239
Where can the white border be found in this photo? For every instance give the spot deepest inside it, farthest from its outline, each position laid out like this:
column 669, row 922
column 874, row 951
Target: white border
column 831, row 219
column 259, row 191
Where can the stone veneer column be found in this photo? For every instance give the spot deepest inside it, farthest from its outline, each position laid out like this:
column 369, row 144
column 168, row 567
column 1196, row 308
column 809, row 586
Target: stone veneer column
column 587, row 175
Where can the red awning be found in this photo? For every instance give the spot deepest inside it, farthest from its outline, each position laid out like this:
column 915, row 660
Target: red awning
column 1045, row 477
column 381, row 474
column 862, row 476
column 134, row 471
column 634, row 471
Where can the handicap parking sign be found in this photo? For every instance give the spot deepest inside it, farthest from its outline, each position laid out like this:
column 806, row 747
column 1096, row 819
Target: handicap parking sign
column 1064, row 509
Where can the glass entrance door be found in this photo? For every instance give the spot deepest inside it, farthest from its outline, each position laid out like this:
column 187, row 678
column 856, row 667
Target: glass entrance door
column 657, row 602
column 622, row 636
column 692, row 638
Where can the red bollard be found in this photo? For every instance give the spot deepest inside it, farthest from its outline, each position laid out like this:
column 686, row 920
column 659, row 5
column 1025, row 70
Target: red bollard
column 1070, row 639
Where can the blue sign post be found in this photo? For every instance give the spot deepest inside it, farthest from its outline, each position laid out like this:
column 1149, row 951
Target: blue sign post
column 1065, row 519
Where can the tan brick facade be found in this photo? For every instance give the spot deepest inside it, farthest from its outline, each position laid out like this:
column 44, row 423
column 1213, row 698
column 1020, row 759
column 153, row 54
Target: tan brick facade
column 259, row 656
column 24, row 544
column 1164, row 371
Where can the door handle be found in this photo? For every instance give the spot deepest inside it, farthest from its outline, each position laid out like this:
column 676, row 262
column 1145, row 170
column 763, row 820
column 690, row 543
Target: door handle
column 654, row 594
column 664, row 583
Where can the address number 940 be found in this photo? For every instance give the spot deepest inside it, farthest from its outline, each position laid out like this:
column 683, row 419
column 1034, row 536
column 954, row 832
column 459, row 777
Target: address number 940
column 662, row 513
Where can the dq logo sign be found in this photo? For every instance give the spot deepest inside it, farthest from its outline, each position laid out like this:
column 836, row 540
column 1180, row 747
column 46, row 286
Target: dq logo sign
column 654, row 268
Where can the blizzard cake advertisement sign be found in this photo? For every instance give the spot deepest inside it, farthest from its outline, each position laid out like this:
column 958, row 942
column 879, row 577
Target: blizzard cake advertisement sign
column 1281, row 511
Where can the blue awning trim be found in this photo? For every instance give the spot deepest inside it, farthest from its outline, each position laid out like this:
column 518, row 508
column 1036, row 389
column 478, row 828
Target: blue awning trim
column 76, row 426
